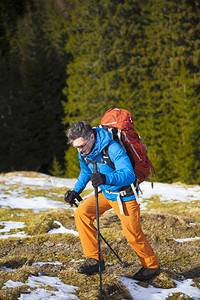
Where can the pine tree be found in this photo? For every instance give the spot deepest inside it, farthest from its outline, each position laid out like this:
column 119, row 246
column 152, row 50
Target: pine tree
column 102, row 35
column 39, row 50
column 10, row 83
column 139, row 55
column 10, row 11
column 169, row 89
column 57, row 169
column 72, row 163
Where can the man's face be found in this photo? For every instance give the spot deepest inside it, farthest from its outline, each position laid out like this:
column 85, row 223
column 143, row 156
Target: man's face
column 84, row 145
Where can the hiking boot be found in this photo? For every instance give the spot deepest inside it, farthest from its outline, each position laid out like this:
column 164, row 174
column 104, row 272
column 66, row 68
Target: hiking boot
column 91, row 266
column 146, row 273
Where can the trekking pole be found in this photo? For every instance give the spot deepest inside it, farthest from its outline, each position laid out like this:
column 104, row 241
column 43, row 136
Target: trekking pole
column 98, row 233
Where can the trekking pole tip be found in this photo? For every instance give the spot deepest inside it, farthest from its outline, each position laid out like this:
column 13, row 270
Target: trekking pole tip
column 124, row 264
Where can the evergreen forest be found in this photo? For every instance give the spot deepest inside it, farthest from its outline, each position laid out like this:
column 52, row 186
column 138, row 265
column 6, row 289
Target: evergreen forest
column 68, row 60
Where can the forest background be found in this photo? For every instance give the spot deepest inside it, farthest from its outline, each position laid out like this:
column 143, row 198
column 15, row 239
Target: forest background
column 68, row 60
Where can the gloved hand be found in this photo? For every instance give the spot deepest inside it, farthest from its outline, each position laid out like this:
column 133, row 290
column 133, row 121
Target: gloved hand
column 70, row 197
column 98, row 179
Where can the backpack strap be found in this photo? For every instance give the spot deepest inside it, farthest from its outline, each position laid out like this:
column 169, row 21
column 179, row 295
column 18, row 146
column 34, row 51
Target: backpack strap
column 106, row 157
column 108, row 161
column 116, row 135
column 92, row 161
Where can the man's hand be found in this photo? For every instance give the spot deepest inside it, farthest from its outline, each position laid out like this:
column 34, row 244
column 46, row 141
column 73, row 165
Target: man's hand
column 98, row 179
column 70, row 197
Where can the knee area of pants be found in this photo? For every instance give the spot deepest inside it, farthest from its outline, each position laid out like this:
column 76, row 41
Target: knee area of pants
column 77, row 213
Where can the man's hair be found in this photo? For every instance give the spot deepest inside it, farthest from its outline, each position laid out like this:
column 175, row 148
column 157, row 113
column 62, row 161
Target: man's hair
column 79, row 129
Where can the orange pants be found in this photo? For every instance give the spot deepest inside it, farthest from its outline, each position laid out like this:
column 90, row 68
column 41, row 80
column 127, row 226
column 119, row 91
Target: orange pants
column 85, row 215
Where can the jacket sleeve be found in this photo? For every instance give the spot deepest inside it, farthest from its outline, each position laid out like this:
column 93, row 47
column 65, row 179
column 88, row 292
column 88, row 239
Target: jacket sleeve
column 83, row 178
column 123, row 173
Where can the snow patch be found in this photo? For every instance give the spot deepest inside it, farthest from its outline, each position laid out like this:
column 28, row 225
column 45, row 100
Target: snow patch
column 187, row 239
column 9, row 225
column 62, row 229
column 63, row 291
column 151, row 293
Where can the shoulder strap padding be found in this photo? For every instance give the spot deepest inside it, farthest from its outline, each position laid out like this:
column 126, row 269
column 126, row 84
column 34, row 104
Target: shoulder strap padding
column 106, row 157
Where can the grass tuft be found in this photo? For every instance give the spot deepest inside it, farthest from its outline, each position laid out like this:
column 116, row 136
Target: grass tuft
column 162, row 223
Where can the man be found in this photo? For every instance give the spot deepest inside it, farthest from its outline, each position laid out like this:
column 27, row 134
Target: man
column 113, row 182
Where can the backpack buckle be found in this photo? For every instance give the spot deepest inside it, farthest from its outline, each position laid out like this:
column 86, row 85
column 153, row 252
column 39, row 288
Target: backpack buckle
column 123, row 193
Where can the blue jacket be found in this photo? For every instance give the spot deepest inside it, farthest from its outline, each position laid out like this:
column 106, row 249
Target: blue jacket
column 123, row 174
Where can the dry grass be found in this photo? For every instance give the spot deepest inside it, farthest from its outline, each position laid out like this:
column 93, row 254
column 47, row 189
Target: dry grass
column 161, row 223
column 24, row 174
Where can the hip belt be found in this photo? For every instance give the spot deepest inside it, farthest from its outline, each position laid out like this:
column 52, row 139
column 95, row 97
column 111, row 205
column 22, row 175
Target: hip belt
column 127, row 191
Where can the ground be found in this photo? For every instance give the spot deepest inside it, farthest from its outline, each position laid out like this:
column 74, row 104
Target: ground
column 164, row 223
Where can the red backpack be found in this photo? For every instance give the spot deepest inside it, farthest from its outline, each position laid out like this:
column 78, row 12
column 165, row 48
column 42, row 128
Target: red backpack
column 120, row 123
